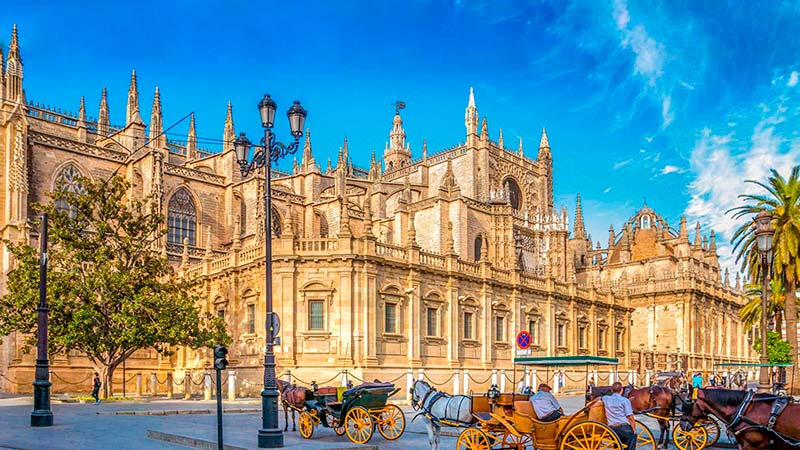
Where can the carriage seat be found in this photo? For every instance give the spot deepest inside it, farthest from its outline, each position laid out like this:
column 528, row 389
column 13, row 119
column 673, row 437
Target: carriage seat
column 482, row 408
column 526, row 421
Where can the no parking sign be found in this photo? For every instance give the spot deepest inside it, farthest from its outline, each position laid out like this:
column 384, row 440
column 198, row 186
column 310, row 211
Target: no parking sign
column 523, row 343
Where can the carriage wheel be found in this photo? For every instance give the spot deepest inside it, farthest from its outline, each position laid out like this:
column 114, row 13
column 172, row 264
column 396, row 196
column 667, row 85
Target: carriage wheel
column 517, row 442
column 712, row 429
column 644, row 438
column 391, row 422
column 473, row 439
column 694, row 439
column 338, row 427
column 358, row 425
column 590, row 436
column 306, row 424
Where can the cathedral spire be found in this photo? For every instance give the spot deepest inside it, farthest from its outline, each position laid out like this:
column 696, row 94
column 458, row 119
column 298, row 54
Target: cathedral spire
column 424, row 149
column 157, row 139
column 500, row 139
column 683, row 232
column 132, row 115
column 484, row 130
column 698, row 240
column 103, row 121
column 82, row 112
column 449, row 185
column 471, row 119
column 612, row 238
column 712, row 245
column 13, row 69
column 191, row 140
column 579, row 230
column 229, row 134
column 521, row 152
column 308, row 162
column 544, row 146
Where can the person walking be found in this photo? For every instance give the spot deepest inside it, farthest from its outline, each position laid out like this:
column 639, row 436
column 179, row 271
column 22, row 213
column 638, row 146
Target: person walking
column 96, row 388
column 619, row 414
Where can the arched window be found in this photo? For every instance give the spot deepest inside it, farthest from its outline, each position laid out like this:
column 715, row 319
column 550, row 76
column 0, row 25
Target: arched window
column 68, row 180
column 645, row 222
column 276, row 223
column 323, row 225
column 478, row 247
column 243, row 217
column 514, row 193
column 391, row 167
column 181, row 218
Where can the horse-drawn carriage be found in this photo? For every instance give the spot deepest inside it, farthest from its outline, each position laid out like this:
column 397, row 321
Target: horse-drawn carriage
column 356, row 412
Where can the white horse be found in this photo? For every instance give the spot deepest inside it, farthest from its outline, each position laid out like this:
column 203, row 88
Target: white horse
column 435, row 406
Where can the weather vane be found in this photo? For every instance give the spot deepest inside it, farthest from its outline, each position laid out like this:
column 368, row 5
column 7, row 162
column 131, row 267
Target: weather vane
column 398, row 105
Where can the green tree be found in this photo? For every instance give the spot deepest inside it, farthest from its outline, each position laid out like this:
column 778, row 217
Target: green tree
column 751, row 311
column 782, row 199
column 110, row 292
column 778, row 350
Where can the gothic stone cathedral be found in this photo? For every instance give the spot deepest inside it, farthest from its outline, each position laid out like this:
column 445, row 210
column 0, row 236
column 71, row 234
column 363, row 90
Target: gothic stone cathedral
column 434, row 262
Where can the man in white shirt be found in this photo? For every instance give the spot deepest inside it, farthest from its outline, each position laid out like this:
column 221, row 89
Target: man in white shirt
column 619, row 414
column 545, row 404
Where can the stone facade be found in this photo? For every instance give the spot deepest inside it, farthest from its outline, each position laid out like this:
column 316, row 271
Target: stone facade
column 427, row 264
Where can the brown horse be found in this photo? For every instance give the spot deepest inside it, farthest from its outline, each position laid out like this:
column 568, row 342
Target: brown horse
column 748, row 422
column 658, row 401
column 295, row 396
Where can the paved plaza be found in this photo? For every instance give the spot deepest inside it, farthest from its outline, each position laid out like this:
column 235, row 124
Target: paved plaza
column 125, row 425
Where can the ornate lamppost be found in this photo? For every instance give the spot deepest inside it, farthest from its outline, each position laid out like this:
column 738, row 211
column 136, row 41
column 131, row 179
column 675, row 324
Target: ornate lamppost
column 42, row 415
column 763, row 231
column 270, row 434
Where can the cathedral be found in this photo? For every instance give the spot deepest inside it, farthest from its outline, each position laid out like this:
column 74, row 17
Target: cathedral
column 430, row 262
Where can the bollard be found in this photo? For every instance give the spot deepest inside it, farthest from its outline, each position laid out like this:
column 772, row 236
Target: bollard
column 153, row 384
column 344, row 378
column 556, row 382
column 466, row 382
column 502, row 380
column 288, row 375
column 527, row 378
column 611, row 376
column 409, row 382
column 169, row 385
column 649, row 374
column 138, row 384
column 421, row 374
column 494, row 377
column 207, row 391
column 455, row 382
column 635, row 377
column 231, row 385
column 187, row 386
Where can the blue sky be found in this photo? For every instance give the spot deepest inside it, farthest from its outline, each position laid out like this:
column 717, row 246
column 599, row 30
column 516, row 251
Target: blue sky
column 675, row 101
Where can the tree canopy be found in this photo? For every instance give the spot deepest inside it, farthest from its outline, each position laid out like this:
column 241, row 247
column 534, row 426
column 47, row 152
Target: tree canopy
column 109, row 290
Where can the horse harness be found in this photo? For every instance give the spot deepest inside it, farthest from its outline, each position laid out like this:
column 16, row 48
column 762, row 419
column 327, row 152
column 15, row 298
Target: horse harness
column 778, row 407
column 425, row 406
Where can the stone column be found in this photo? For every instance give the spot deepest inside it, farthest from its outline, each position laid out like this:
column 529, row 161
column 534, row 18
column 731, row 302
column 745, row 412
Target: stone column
column 649, row 374
column 344, row 378
column 169, row 385
column 556, row 382
column 231, row 385
column 502, row 380
column 494, row 377
column 466, row 382
column 187, row 386
column 288, row 376
column 409, row 382
column 153, row 384
column 455, row 382
column 526, row 377
column 421, row 374
column 138, row 384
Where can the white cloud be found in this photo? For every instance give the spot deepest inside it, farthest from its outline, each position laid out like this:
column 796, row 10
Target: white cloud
column 607, row 190
column 621, row 15
column 667, row 115
column 793, row 78
column 668, row 169
column 621, row 164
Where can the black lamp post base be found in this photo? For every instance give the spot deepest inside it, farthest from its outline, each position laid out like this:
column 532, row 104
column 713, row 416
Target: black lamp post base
column 269, row 435
column 42, row 415
column 270, row 438
column 42, row 419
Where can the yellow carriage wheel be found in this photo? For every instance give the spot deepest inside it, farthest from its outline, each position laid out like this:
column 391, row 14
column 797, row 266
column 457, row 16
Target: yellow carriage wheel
column 694, row 439
column 712, row 429
column 391, row 422
column 358, row 425
column 306, row 424
column 590, row 435
column 521, row 441
column 644, row 437
column 473, row 439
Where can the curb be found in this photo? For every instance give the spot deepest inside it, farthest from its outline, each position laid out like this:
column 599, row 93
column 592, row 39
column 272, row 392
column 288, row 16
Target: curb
column 173, row 412
column 209, row 445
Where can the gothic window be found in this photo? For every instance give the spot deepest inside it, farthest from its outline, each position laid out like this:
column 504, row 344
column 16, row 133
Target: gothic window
column 276, row 223
column 251, row 318
column 316, row 317
column 645, row 222
column 618, row 340
column 478, row 247
column 561, row 335
column 582, row 336
column 514, row 193
column 391, row 167
column 68, row 180
column 181, row 218
column 601, row 338
column 533, row 329
column 499, row 329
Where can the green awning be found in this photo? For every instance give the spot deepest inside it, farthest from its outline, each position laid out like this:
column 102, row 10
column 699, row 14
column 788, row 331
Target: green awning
column 751, row 365
column 562, row 361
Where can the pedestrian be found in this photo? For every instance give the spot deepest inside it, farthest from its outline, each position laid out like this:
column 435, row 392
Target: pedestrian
column 697, row 380
column 96, row 388
column 619, row 415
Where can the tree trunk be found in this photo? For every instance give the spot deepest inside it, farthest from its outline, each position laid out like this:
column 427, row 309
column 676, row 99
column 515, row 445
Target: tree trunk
column 791, row 327
column 779, row 322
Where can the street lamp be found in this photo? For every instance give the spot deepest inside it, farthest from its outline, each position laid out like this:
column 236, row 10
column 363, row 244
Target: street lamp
column 269, row 435
column 763, row 231
column 42, row 415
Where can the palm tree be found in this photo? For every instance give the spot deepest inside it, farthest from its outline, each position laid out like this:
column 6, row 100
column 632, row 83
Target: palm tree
column 751, row 312
column 782, row 199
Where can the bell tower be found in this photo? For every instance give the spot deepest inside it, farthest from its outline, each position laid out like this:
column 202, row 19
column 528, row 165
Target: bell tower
column 397, row 153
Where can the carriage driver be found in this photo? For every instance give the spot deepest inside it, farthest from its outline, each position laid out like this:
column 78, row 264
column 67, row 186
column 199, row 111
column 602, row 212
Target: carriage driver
column 545, row 404
column 619, row 414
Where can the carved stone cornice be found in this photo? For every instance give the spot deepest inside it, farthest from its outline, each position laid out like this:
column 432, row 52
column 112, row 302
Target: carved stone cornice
column 76, row 147
column 194, row 174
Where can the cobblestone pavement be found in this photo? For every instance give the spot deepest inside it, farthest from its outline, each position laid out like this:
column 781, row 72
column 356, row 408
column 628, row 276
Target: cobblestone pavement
column 82, row 426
